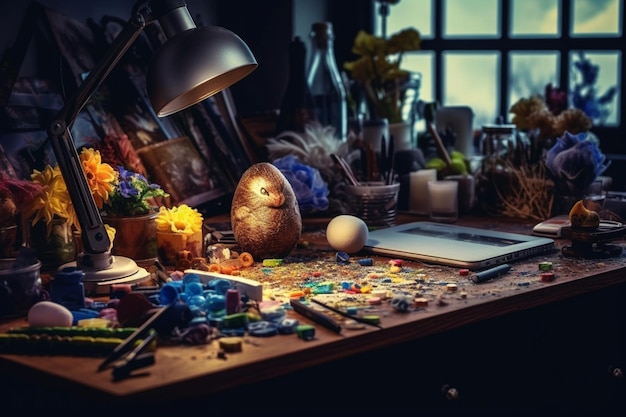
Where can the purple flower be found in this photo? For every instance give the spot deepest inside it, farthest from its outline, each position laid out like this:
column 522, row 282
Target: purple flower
column 310, row 189
column 574, row 162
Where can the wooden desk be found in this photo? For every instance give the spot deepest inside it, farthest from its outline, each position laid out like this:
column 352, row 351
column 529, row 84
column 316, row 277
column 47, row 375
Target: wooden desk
column 490, row 333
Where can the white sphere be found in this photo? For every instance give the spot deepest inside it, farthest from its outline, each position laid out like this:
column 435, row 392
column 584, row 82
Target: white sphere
column 346, row 233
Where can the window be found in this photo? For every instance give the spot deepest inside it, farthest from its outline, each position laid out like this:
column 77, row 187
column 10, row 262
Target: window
column 487, row 54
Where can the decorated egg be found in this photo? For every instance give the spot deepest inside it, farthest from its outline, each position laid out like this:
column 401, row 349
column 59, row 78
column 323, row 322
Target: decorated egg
column 346, row 233
column 49, row 314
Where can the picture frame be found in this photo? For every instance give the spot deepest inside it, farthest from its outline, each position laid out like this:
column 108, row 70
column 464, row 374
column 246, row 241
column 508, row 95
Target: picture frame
column 177, row 166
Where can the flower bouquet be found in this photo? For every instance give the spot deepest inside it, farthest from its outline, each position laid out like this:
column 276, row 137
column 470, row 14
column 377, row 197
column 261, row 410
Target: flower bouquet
column 553, row 154
column 132, row 195
column 51, row 213
column 179, row 233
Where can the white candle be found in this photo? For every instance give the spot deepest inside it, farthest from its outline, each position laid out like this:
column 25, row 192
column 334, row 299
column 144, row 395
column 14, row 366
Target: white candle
column 443, row 200
column 418, row 194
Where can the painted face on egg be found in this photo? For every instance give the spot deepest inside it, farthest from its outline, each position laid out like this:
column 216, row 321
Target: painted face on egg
column 265, row 215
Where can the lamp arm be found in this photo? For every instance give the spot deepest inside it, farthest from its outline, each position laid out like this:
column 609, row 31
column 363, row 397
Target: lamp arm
column 93, row 233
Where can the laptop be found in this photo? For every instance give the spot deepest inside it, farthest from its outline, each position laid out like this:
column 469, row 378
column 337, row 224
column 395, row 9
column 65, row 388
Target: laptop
column 456, row 246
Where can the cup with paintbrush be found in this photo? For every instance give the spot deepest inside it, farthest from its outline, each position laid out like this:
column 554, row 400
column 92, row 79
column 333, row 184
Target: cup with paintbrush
column 375, row 202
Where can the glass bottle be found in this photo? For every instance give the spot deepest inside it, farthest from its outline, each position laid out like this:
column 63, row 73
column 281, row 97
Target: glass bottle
column 296, row 109
column 324, row 80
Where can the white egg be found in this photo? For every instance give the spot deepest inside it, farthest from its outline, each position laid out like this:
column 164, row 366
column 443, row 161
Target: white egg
column 49, row 314
column 346, row 233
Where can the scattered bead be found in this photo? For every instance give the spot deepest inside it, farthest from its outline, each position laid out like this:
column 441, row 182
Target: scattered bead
column 547, row 276
column 394, row 269
column 421, row 302
column 246, row 259
column 545, row 266
column 374, row 301
column 305, row 332
column 366, row 262
column 230, row 344
column 451, row 287
column 272, row 262
column 297, row 294
column 353, row 325
column 372, row 319
column 395, row 262
column 464, row 272
column 342, row 257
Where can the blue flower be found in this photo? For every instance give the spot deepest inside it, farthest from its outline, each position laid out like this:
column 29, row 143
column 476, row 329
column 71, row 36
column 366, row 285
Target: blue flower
column 133, row 194
column 574, row 162
column 310, row 189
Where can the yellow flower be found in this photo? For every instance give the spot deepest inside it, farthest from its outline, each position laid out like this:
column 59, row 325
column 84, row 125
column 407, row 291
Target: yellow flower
column 101, row 177
column 52, row 201
column 111, row 233
column 180, row 219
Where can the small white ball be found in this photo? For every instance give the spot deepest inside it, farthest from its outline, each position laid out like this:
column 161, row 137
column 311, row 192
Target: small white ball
column 49, row 314
column 346, row 233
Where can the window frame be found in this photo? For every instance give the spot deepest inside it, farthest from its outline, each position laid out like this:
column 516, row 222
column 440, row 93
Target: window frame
column 611, row 136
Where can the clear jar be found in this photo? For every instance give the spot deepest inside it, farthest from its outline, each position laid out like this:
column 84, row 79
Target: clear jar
column 497, row 139
column 325, row 83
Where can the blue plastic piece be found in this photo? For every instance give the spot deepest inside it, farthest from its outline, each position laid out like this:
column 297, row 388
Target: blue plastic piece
column 67, row 288
column 220, row 285
column 287, row 326
column 262, row 328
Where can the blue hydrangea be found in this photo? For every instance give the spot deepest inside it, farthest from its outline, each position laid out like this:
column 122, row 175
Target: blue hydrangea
column 574, row 162
column 310, row 188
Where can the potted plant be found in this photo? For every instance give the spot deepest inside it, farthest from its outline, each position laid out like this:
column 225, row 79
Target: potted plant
column 179, row 228
column 131, row 209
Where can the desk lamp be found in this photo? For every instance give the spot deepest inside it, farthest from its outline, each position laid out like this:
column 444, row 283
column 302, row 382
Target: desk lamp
column 192, row 65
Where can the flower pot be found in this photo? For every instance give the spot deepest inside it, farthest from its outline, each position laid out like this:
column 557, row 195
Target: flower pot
column 135, row 237
column 20, row 287
column 172, row 244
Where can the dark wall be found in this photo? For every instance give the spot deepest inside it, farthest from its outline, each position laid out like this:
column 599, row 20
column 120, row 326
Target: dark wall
column 266, row 26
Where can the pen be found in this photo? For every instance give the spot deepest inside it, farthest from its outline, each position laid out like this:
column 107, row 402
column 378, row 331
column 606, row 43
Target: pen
column 129, row 342
column 488, row 274
column 316, row 316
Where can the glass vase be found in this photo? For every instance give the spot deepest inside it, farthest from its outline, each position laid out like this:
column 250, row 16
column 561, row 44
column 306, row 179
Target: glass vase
column 55, row 248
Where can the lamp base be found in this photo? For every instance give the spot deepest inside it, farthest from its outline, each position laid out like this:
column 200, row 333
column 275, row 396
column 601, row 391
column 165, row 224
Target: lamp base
column 120, row 271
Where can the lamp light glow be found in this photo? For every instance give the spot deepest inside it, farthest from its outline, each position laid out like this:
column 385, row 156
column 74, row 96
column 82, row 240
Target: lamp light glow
column 192, row 65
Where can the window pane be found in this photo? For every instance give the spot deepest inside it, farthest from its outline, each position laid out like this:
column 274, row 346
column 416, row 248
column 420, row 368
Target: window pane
column 408, row 13
column 594, row 17
column 473, row 79
column 476, row 18
column 424, row 63
column 535, row 17
column 530, row 73
column 588, row 92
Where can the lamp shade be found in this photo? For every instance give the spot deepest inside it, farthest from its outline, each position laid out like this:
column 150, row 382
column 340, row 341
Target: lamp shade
column 194, row 65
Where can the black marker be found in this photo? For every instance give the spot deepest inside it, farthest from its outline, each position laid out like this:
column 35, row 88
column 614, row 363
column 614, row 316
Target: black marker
column 316, row 316
column 488, row 274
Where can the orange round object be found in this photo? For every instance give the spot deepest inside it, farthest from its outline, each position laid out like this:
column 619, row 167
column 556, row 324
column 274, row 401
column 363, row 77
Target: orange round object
column 215, row 268
column 246, row 259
